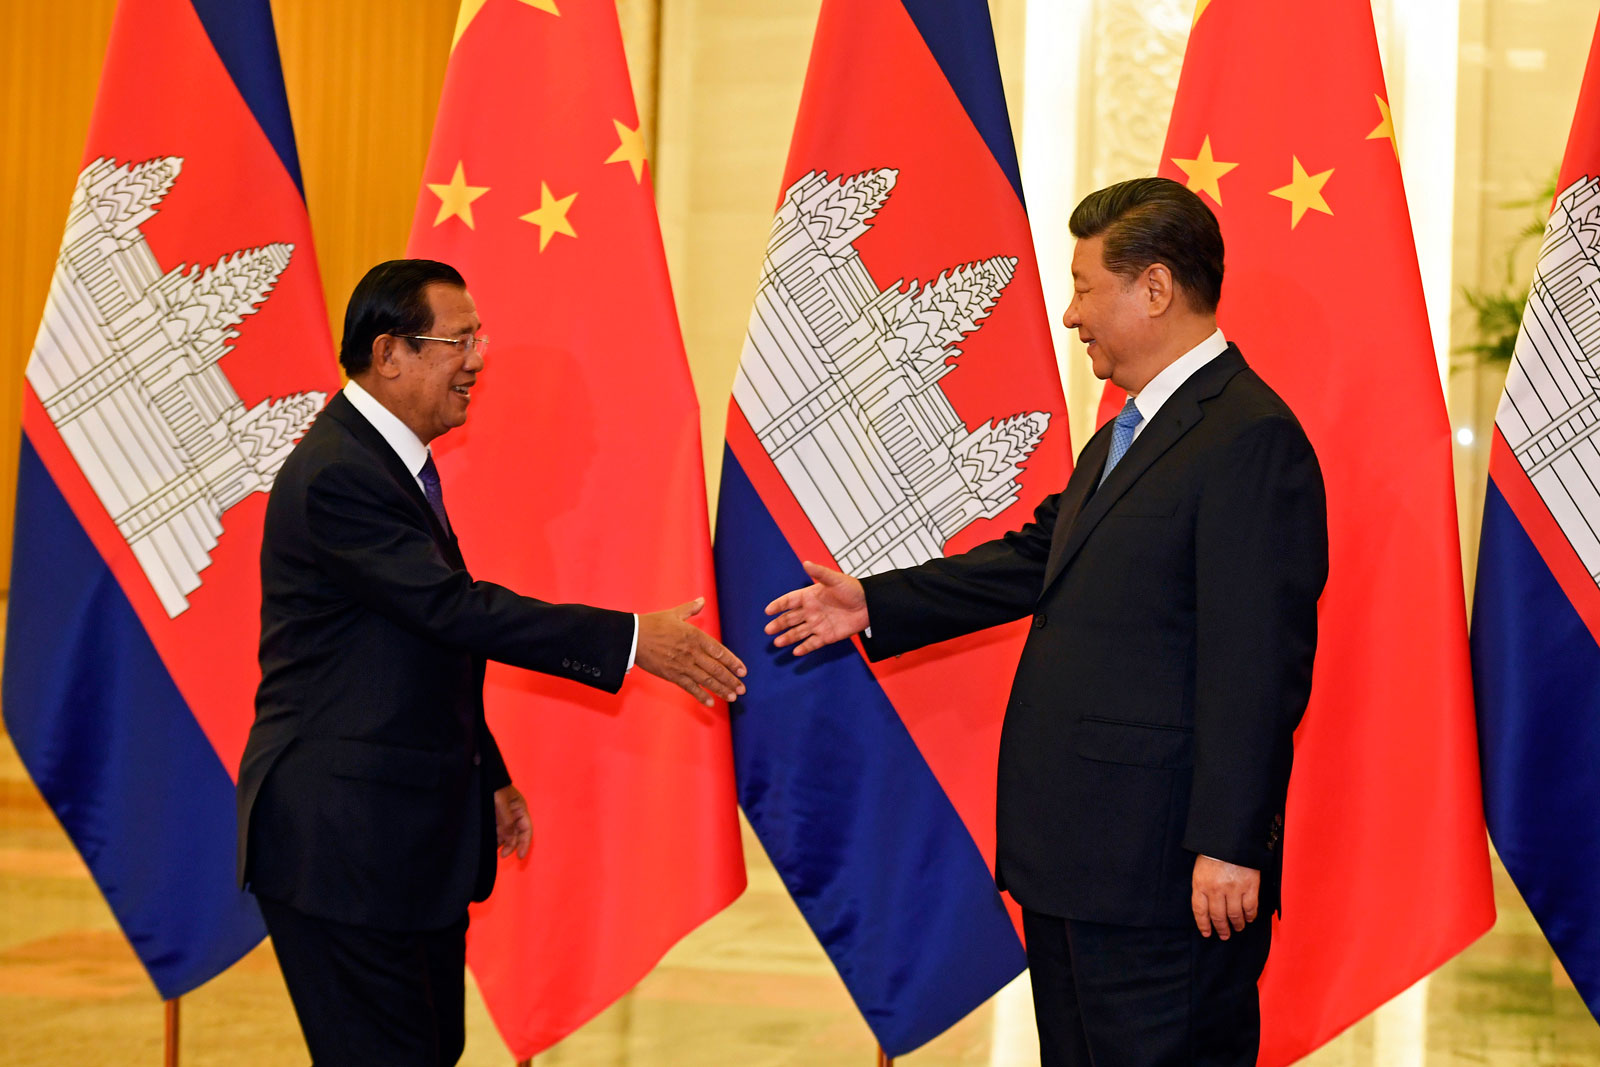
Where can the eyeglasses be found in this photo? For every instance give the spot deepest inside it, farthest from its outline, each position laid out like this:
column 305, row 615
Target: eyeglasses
column 479, row 345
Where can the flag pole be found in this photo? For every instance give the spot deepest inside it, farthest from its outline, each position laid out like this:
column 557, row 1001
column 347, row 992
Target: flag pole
column 169, row 1056
column 884, row 1059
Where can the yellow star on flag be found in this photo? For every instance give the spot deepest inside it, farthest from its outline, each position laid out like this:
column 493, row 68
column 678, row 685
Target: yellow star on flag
column 630, row 149
column 1305, row 192
column 1199, row 9
column 1386, row 127
column 455, row 199
column 551, row 215
column 1205, row 172
column 470, row 8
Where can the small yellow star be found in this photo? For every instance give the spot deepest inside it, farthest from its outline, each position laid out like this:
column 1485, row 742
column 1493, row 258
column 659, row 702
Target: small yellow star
column 1305, row 192
column 1386, row 127
column 551, row 215
column 1205, row 172
column 1199, row 9
column 455, row 199
column 630, row 149
column 470, row 8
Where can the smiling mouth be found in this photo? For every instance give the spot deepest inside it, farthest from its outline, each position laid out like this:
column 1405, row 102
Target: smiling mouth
column 462, row 391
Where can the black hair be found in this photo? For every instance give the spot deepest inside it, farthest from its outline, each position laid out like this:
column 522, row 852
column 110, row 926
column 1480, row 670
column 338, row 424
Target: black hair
column 391, row 298
column 1156, row 220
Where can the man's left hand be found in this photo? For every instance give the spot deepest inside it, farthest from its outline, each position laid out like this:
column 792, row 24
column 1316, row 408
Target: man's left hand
column 1226, row 896
column 513, row 828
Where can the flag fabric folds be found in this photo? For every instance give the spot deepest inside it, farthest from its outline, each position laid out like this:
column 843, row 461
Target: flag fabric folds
column 1536, row 612
column 183, row 349
column 1282, row 125
column 577, row 477
column 897, row 399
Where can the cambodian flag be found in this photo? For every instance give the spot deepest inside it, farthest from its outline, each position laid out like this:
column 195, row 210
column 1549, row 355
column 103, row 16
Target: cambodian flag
column 897, row 399
column 183, row 349
column 1536, row 616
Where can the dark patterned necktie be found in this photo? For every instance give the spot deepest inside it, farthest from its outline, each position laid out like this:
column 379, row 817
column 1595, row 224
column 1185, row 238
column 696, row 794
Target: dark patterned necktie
column 429, row 477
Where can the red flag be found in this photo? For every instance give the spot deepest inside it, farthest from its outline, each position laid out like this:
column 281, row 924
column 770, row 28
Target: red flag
column 578, row 477
column 1282, row 124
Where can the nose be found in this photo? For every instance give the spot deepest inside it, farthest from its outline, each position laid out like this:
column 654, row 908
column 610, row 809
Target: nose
column 1070, row 317
column 474, row 361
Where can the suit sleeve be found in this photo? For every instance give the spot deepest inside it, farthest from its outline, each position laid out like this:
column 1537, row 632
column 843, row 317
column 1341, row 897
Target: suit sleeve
column 1261, row 560
column 495, row 774
column 365, row 538
column 994, row 583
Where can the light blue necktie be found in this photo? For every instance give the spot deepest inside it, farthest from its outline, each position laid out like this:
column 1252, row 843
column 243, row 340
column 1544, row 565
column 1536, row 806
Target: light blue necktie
column 1128, row 420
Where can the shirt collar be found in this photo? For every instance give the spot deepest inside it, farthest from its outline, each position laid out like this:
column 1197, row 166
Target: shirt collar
column 412, row 452
column 1174, row 374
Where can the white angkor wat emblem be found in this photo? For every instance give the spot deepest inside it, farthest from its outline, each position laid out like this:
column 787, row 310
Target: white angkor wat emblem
column 1551, row 407
column 840, row 381
column 125, row 365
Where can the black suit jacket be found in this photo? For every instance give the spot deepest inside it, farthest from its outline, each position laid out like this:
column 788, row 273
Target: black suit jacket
column 1174, row 626
column 366, row 786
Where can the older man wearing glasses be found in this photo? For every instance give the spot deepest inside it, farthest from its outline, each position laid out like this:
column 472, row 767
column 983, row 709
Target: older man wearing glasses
column 372, row 797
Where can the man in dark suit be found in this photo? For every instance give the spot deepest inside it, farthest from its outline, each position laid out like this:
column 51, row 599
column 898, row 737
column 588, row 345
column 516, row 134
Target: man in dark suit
column 1173, row 585
column 371, row 794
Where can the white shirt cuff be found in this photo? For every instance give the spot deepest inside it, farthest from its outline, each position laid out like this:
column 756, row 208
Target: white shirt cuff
column 633, row 649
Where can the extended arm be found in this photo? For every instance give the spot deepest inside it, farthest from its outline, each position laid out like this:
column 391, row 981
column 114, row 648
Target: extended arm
column 369, row 542
column 943, row 598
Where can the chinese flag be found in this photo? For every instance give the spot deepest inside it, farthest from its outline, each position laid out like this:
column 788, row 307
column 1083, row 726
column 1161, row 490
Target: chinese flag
column 578, row 477
column 1282, row 125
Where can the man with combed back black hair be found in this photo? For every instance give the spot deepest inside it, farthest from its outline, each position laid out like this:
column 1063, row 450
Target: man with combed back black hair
column 371, row 794
column 1173, row 586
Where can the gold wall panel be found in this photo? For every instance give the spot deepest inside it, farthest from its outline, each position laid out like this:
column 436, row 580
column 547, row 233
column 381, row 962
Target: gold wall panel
column 50, row 57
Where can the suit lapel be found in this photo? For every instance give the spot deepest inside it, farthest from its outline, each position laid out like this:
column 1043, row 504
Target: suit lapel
column 345, row 414
column 1085, row 476
column 1182, row 411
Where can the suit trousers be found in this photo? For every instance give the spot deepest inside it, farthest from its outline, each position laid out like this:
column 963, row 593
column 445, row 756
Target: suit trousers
column 373, row 997
column 1131, row 996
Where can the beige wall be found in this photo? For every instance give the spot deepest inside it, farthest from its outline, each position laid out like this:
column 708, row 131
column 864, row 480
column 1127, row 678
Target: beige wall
column 1522, row 62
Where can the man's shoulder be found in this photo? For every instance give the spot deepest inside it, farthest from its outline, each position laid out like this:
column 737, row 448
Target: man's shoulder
column 1247, row 399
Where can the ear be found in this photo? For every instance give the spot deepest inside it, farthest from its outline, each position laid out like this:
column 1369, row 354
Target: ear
column 1158, row 287
column 386, row 356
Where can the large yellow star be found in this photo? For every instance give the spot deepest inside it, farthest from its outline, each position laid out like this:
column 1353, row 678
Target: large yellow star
column 455, row 199
column 1205, row 172
column 1199, row 9
column 551, row 215
column 1305, row 192
column 1386, row 127
column 470, row 8
column 630, row 149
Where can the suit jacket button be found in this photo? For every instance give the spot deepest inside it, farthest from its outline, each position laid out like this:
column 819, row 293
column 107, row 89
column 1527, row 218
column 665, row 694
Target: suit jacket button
column 1040, row 621
column 566, row 663
column 477, row 759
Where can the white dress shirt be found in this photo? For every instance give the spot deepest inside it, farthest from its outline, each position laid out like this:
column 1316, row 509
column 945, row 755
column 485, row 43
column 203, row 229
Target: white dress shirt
column 413, row 454
column 1174, row 374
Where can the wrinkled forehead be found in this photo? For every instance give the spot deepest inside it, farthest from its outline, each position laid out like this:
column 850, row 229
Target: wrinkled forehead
column 454, row 312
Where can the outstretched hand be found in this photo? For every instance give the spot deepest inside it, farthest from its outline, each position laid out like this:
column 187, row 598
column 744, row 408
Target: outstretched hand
column 832, row 608
column 687, row 657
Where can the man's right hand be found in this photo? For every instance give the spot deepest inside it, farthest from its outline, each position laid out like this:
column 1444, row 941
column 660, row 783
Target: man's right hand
column 687, row 657
column 832, row 608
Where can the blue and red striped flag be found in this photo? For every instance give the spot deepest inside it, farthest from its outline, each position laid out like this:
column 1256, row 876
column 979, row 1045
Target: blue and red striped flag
column 1536, row 614
column 183, row 349
column 897, row 400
